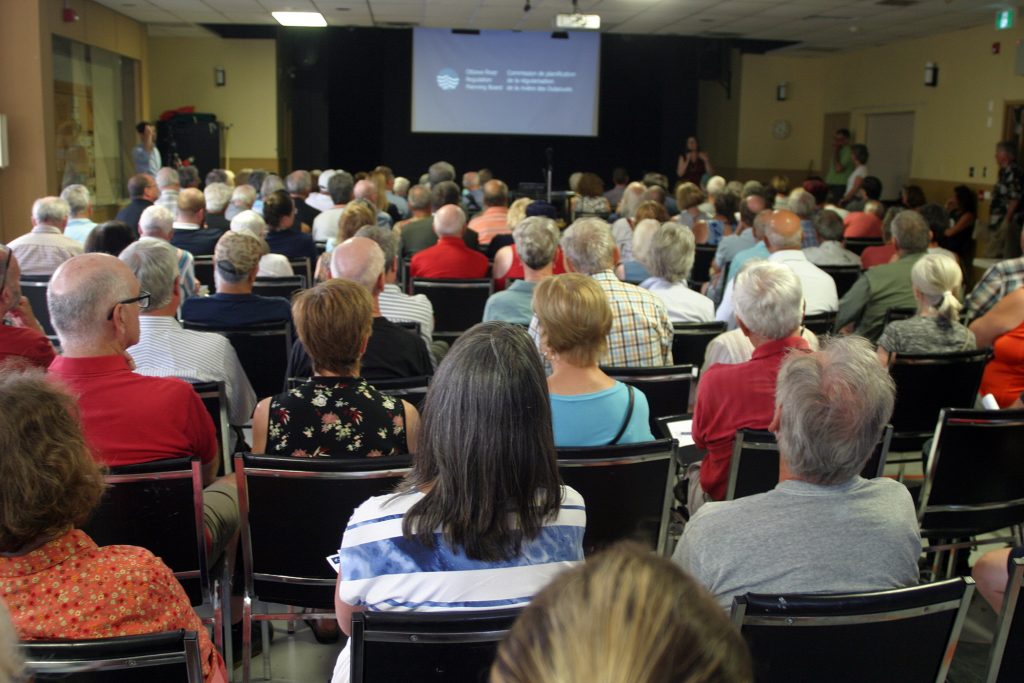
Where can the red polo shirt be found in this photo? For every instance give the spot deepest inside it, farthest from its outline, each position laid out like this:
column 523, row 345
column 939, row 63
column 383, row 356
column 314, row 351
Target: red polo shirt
column 733, row 397
column 877, row 256
column 862, row 225
column 450, row 258
column 129, row 418
column 24, row 342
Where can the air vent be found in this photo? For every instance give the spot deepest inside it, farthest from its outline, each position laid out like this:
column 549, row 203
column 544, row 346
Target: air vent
column 724, row 35
column 834, row 17
column 396, row 24
column 898, row 3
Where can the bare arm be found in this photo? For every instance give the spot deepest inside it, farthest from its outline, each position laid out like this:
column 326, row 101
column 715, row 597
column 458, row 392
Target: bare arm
column 883, row 356
column 502, row 262
column 964, row 222
column 344, row 611
column 708, row 168
column 853, row 191
column 260, row 419
column 1004, row 316
column 681, row 165
column 412, row 425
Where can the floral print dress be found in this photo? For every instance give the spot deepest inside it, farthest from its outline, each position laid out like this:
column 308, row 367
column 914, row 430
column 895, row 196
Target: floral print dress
column 336, row 417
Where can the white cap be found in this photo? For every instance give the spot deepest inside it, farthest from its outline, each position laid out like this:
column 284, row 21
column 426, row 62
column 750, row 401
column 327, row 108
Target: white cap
column 325, row 177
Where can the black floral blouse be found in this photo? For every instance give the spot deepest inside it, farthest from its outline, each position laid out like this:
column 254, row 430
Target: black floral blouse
column 336, row 417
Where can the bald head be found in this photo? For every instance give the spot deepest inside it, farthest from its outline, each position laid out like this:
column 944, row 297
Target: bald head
column 361, row 260
column 365, row 189
column 449, row 221
column 784, row 231
column 83, row 292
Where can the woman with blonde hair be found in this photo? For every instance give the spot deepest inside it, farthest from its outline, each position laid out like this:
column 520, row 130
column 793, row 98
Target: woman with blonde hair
column 936, row 328
column 358, row 214
column 588, row 408
column 628, row 616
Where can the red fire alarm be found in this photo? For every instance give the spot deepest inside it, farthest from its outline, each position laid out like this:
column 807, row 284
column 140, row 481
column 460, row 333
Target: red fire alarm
column 995, row 48
column 70, row 15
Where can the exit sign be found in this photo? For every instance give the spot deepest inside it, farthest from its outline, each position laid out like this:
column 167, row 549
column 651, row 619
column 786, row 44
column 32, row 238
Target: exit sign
column 1004, row 19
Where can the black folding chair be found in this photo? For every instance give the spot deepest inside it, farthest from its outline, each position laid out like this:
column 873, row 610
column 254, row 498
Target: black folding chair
column 690, row 341
column 927, row 383
column 858, row 245
column 973, row 482
column 627, row 488
column 166, row 657
column 204, row 271
column 897, row 313
column 703, row 257
column 754, row 466
column 284, row 287
column 904, row 634
column 844, row 277
column 667, row 388
column 458, row 304
column 426, row 646
column 821, row 323
column 216, row 404
column 301, row 266
column 283, row 553
column 1006, row 659
column 34, row 287
column 262, row 350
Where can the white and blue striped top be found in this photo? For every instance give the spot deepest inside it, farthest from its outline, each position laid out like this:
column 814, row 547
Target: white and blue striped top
column 382, row 570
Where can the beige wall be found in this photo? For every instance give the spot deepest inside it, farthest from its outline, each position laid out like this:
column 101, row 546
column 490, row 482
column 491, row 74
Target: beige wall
column 718, row 118
column 181, row 74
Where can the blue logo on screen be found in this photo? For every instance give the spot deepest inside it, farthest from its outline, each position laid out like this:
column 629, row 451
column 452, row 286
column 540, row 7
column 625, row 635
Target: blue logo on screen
column 448, row 79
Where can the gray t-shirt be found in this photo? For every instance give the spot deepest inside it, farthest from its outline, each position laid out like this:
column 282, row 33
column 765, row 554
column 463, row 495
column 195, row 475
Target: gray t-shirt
column 804, row 538
column 926, row 334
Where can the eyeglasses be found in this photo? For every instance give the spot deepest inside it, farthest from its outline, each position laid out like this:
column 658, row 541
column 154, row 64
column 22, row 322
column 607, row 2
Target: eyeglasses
column 142, row 298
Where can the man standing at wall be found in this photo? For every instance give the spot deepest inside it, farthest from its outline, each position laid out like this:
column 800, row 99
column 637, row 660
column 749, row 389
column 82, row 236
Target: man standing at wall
column 842, row 164
column 145, row 155
column 1003, row 231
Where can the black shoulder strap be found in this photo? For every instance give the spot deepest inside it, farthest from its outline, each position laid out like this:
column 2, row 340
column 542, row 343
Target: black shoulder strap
column 629, row 416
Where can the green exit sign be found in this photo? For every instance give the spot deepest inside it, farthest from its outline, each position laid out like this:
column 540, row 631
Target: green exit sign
column 1004, row 19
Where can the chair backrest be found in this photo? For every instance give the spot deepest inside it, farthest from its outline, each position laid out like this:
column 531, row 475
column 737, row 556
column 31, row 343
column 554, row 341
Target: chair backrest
column 204, row 271
column 410, row 325
column 411, row 389
column 690, row 341
column 283, row 287
column 34, row 289
column 301, row 265
column 628, row 490
column 458, row 304
column 754, row 466
column 820, row 323
column 216, row 404
column 158, row 506
column 427, row 646
column 844, row 277
column 898, row 313
column 905, row 634
column 170, row 656
column 703, row 256
column 927, row 383
column 667, row 388
column 282, row 550
column 1006, row 659
column 858, row 245
column 262, row 350
column 974, row 479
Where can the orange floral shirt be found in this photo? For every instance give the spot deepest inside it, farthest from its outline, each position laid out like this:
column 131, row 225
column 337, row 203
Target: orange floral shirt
column 70, row 588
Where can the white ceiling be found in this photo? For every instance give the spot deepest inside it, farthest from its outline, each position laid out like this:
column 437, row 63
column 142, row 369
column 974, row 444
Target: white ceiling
column 815, row 24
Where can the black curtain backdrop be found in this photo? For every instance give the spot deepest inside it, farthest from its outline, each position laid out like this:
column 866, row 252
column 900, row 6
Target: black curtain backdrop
column 349, row 93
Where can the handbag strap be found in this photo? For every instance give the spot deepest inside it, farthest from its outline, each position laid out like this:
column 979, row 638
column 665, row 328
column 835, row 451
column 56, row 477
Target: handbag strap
column 629, row 416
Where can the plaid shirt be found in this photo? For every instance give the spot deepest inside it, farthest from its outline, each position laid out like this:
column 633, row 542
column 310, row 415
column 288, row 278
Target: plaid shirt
column 998, row 281
column 641, row 334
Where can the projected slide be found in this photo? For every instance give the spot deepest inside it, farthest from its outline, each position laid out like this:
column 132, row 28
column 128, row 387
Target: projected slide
column 525, row 83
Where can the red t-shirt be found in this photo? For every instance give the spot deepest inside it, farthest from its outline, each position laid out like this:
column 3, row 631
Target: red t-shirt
column 24, row 342
column 861, row 225
column 733, row 397
column 877, row 256
column 449, row 258
column 1004, row 374
column 516, row 269
column 129, row 418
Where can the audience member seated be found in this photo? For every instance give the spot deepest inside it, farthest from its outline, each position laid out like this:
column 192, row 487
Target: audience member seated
column 625, row 212
column 366, row 190
column 999, row 280
column 419, row 207
column 12, row 666
column 622, row 229
column 321, row 200
column 284, row 237
column 689, row 197
column 271, row 265
column 142, row 191
column 298, row 184
column 937, row 219
column 641, row 333
column 218, row 196
column 862, row 309
column 482, row 517
column 590, row 199
column 667, row 252
column 830, row 250
column 21, row 335
column 784, row 236
column 760, row 249
column 493, row 221
column 236, row 262
column 110, row 238
column 936, row 328
column 165, row 349
column 536, row 241
column 823, row 528
column 450, row 258
column 155, row 224
column 1002, row 328
column 992, row 574
column 744, row 238
column 625, row 615
column 40, row 251
column 189, row 176
column 769, row 309
column 56, row 582
column 189, row 231
column 358, row 214
column 168, row 182
column 883, row 253
column 722, row 222
column 95, row 303
column 620, row 178
column 80, row 224
column 801, row 202
column 340, row 186
column 336, row 413
column 866, row 224
column 243, row 198
column 393, row 351
column 507, row 264
column 588, row 408
column 419, row 234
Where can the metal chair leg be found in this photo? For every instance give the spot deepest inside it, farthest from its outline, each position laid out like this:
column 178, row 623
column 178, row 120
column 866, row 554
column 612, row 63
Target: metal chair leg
column 246, row 638
column 265, row 632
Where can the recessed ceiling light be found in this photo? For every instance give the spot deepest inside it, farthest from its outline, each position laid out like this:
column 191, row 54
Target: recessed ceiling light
column 299, row 18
